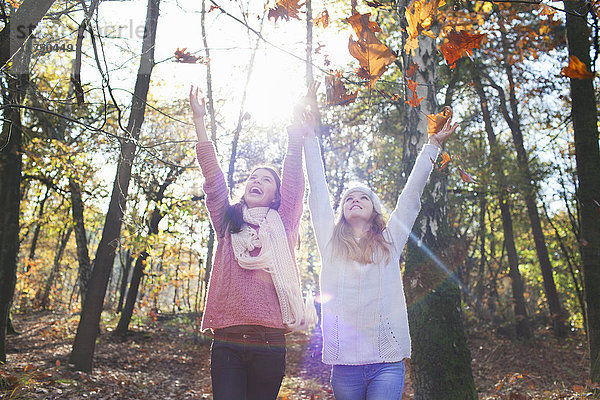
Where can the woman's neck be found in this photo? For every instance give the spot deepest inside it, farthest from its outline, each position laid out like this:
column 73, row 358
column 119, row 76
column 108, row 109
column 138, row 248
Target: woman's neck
column 359, row 227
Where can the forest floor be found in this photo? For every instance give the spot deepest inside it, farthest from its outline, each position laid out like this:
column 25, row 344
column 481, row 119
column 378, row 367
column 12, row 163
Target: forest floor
column 165, row 359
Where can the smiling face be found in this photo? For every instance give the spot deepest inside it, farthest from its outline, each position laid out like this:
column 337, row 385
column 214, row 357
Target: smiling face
column 262, row 189
column 357, row 205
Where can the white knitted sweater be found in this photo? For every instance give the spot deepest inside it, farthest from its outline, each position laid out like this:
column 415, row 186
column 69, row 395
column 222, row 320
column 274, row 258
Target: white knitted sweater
column 364, row 316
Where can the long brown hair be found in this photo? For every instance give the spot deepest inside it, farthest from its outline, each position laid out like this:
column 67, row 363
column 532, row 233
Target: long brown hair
column 234, row 218
column 372, row 247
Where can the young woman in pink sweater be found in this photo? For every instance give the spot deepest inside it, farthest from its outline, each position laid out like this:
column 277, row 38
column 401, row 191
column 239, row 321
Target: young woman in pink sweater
column 254, row 295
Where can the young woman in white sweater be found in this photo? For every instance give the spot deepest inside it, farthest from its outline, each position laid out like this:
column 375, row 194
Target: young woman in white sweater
column 364, row 317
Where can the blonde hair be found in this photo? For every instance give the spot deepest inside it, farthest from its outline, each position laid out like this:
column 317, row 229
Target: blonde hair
column 372, row 247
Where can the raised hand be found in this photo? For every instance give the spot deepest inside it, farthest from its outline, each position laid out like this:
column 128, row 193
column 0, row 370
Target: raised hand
column 199, row 111
column 198, row 106
column 439, row 138
column 307, row 104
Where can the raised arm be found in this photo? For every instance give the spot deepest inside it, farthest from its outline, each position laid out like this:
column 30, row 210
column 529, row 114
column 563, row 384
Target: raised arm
column 292, row 180
column 321, row 212
column 215, row 187
column 409, row 202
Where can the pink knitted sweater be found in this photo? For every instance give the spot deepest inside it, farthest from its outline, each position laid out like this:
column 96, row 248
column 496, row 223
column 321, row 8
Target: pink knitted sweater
column 238, row 296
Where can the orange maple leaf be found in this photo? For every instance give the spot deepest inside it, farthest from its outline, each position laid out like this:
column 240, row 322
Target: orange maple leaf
column 413, row 100
column 435, row 122
column 466, row 177
column 323, row 19
column 183, row 56
column 458, row 43
column 336, row 92
column 372, row 55
column 446, row 158
column 213, row 8
column 419, row 15
column 576, row 69
column 285, row 9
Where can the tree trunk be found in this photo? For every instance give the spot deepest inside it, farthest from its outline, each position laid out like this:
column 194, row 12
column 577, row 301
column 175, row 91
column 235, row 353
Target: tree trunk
column 528, row 190
column 124, row 280
column 19, row 28
column 480, row 289
column 45, row 295
column 134, row 285
column 83, row 256
column 523, row 329
column 89, row 324
column 587, row 154
column 38, row 227
column 440, row 363
column 138, row 269
column 10, row 188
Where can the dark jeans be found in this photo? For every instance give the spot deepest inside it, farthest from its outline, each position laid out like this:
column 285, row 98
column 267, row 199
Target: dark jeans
column 247, row 363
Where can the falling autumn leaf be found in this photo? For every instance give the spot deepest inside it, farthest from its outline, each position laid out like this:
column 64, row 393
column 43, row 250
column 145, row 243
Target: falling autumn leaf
column 466, row 177
column 435, row 122
column 547, row 10
column 458, row 43
column 419, row 15
column 183, row 56
column 413, row 100
column 285, row 9
column 336, row 92
column 446, row 159
column 372, row 55
column 213, row 8
column 576, row 69
column 364, row 28
column 412, row 70
column 323, row 19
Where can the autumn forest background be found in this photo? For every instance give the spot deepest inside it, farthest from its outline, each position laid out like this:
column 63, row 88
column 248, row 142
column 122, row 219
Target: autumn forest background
column 105, row 243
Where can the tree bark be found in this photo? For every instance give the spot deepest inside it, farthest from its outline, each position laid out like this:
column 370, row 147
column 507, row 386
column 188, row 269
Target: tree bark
column 10, row 187
column 45, row 295
column 124, row 280
column 440, row 363
column 480, row 290
column 587, row 154
column 89, row 324
column 83, row 256
column 38, row 226
column 19, row 28
column 523, row 329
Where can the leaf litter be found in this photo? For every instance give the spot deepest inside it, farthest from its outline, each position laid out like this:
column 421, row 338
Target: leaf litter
column 164, row 358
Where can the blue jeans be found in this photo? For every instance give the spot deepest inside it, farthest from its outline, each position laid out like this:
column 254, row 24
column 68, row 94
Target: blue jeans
column 383, row 381
column 247, row 365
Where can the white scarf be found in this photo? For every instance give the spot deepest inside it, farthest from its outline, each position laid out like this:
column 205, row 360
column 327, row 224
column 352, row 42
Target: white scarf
column 276, row 258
